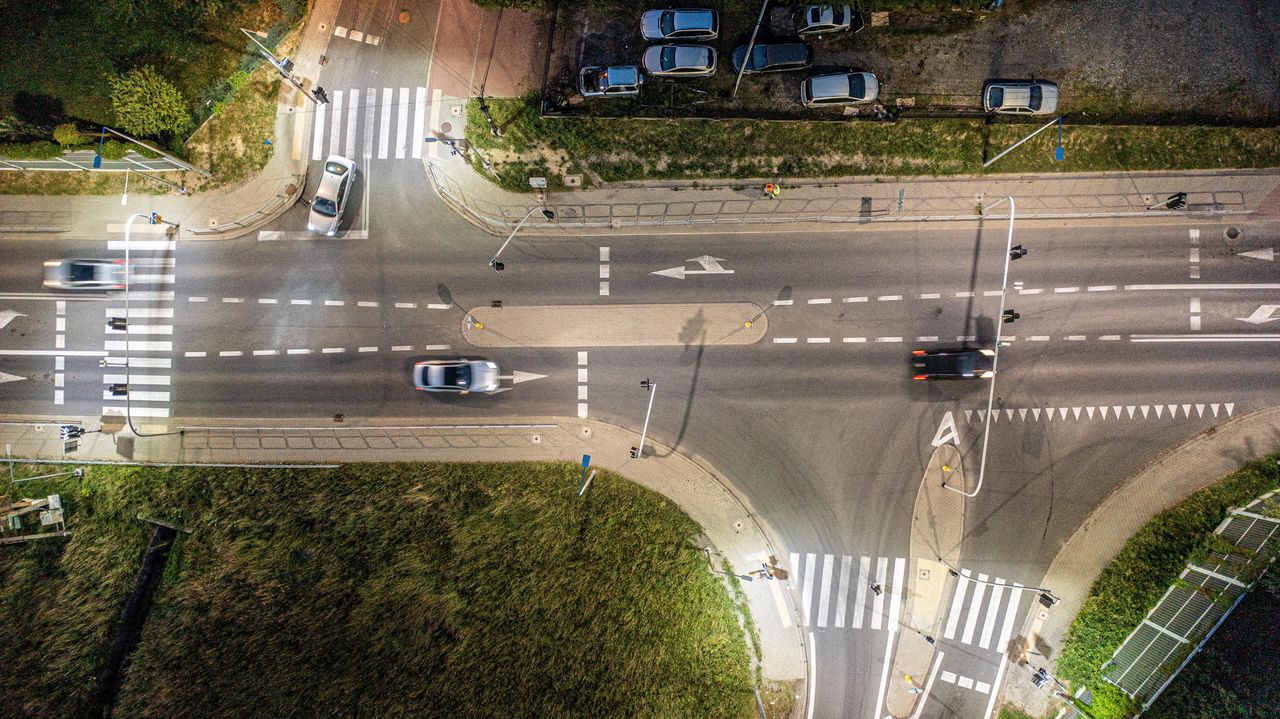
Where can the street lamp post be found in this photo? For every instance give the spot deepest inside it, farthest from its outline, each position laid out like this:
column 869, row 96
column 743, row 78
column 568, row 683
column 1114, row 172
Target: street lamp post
column 493, row 261
column 128, row 404
column 646, row 385
column 995, row 360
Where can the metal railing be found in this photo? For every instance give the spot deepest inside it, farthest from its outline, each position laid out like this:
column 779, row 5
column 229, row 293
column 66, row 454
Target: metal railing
column 282, row 198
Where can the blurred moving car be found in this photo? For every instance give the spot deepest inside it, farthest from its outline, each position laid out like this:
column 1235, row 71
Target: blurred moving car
column 956, row 363
column 774, row 57
column 680, row 61
column 1020, row 97
column 331, row 195
column 842, row 88
column 824, row 19
column 616, row 81
column 84, row 274
column 681, row 24
column 461, row 375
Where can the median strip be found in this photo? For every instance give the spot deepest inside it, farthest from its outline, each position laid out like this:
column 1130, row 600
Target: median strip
column 615, row 325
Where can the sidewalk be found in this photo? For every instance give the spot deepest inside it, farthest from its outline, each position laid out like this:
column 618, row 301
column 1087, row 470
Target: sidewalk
column 1166, row 481
column 733, row 527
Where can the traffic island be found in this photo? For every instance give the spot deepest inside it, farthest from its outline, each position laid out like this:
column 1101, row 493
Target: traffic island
column 666, row 325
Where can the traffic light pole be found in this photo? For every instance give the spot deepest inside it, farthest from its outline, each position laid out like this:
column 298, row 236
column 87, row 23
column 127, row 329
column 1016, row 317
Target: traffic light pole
column 153, row 218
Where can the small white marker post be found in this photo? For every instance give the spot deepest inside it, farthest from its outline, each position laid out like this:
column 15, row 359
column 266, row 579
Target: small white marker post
column 587, row 483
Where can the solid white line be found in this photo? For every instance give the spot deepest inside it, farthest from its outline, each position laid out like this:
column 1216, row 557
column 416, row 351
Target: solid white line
column 860, row 601
column 957, row 602
column 899, row 589
column 419, row 120
column 820, row 301
column 1199, row 286
column 136, row 411
column 317, row 139
column 975, row 608
column 230, row 353
column 877, row 604
column 807, row 594
column 1206, row 338
column 931, row 296
column 824, row 596
column 265, row 353
column 151, row 379
column 331, row 350
column 354, row 97
column 884, row 673
column 335, row 131
column 995, row 687
column 813, row 677
column 842, row 591
column 384, row 137
column 1101, row 288
column 783, row 303
column 928, row 687
column 817, row 340
column 784, row 340
column 367, row 349
column 997, row 592
column 402, row 124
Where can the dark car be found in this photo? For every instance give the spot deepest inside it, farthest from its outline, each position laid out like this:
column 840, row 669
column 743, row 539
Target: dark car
column 956, row 363
column 774, row 57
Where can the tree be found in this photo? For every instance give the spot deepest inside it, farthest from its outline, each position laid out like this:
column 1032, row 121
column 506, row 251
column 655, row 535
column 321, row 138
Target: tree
column 147, row 104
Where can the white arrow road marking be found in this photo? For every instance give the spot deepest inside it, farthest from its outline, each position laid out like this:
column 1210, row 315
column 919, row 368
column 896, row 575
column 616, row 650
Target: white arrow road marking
column 946, row 431
column 710, row 266
column 1266, row 254
column 1260, row 316
column 517, row 377
column 8, row 316
column 6, row 377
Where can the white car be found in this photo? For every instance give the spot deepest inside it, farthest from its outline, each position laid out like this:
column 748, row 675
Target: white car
column 826, row 19
column 331, row 197
column 680, row 61
column 1020, row 97
column 842, row 88
column 461, row 375
column 84, row 274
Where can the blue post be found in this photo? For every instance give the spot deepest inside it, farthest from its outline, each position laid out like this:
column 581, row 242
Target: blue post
column 1059, row 154
column 586, row 462
column 97, row 159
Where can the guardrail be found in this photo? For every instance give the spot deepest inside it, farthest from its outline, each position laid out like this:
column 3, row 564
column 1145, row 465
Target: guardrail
column 267, row 211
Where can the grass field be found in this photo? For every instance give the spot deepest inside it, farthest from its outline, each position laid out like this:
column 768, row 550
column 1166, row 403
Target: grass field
column 622, row 149
column 377, row 590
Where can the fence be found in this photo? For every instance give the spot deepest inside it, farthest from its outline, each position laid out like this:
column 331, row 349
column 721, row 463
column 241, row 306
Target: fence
column 290, row 193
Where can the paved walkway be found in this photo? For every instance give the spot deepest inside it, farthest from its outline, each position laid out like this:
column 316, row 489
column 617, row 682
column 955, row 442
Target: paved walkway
column 736, row 532
column 1165, row 482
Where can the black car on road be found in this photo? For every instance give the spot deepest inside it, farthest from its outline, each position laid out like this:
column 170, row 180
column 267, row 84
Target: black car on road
column 955, row 363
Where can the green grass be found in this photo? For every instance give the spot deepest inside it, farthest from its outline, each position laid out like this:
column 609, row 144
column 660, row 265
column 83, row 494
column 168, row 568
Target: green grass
column 632, row 149
column 1009, row 711
column 1139, row 575
column 388, row 590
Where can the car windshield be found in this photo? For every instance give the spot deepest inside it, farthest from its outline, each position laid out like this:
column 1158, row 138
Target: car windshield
column 996, row 96
column 456, row 376
column 335, row 168
column 80, row 272
column 1037, row 95
column 325, row 206
column 857, row 86
column 837, row 15
column 668, row 23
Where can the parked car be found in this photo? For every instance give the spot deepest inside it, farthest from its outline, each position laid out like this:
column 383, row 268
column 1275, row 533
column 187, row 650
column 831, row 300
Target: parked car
column 680, row 61
column 841, row 88
column 84, row 274
column 1020, row 97
column 825, row 19
column 957, row 363
column 461, row 375
column 331, row 196
column 617, row 81
column 685, row 24
column 774, row 57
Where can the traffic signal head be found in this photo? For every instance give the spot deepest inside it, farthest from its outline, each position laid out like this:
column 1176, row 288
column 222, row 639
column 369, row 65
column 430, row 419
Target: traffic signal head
column 1009, row 316
column 1177, row 201
column 635, row 453
column 1017, row 251
column 118, row 323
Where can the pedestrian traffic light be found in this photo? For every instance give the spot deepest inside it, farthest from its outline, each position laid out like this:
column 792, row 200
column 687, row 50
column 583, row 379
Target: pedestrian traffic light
column 1009, row 316
column 155, row 219
column 118, row 323
column 1177, row 201
column 1017, row 251
column 635, row 453
column 69, row 431
column 119, row 390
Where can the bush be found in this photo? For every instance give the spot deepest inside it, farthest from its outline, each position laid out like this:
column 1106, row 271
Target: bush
column 66, row 134
column 237, row 80
column 147, row 104
column 115, row 149
column 41, row 150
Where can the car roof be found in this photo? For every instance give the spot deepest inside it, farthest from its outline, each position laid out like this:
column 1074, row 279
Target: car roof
column 623, row 75
column 829, row 85
column 692, row 19
column 786, row 51
column 692, row 55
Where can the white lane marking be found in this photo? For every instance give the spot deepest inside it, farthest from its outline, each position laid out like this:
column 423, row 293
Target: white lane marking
column 930, row 338
column 334, row 303
column 233, row 300
column 335, row 130
column 783, row 303
column 419, row 120
column 854, row 339
column 582, row 391
column 435, row 348
column 370, row 117
column 964, row 294
column 317, row 137
column 992, row 293
column 135, row 411
column 332, row 350
column 138, row 345
column 1101, row 288
column 997, row 592
column 965, row 683
column 230, row 353
column 582, row 374
column 824, row 596
column 265, row 353
column 1195, row 305
column 406, row 305
column 1109, row 337
column 817, row 340
column 138, row 396
column 582, row 359
column 884, row 673
column 981, row 687
column 604, row 254
column 957, row 602
column 854, row 299
column 807, row 594
column 582, row 410
column 299, row 302
column 888, row 339
column 888, row 298
column 1195, row 254
column 402, row 124
column 1203, row 286
column 928, row 687
column 1195, row 322
column 340, row 31
column 1207, row 338
column 842, row 591
column 153, row 312
column 813, row 676
column 384, row 137
column 197, row 299
column 366, row 304
column 194, row 354
column 820, row 301
column 149, row 379
column 354, row 97
column 604, row 288
column 437, row 306
column 298, row 352
column 367, row 349
column 877, row 604
column 784, row 340
column 1076, row 338
column 604, row 272
column 401, row 348
column 931, row 296
column 1038, row 338
column 991, row 705
column 266, row 301
column 58, row 396
column 143, row 245
column 1065, row 290
column 860, row 601
column 949, row 677
column 1030, row 292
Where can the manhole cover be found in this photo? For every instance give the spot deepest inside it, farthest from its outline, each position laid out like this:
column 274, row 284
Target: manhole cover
column 404, row 17
column 738, row 526
column 290, row 188
column 1233, row 233
column 446, row 127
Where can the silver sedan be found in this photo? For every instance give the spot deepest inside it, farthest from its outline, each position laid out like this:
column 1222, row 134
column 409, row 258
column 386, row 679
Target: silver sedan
column 680, row 61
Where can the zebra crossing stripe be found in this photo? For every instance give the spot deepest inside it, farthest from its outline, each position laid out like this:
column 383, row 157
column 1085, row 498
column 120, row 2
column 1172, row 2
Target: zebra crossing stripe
column 860, row 602
column 842, row 595
column 370, row 116
column 824, row 596
column 419, row 121
column 402, row 123
column 317, row 138
column 877, row 605
column 997, row 592
column 807, row 593
column 335, row 132
column 384, row 139
column 899, row 588
column 957, row 602
column 354, row 103
column 975, row 608
column 1010, row 613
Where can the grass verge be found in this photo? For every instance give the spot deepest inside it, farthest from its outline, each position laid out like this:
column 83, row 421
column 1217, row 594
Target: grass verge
column 388, row 590
column 634, row 149
column 1139, row 575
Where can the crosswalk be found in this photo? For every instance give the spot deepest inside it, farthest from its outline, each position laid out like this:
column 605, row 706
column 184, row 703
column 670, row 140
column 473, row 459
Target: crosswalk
column 839, row 591
column 148, row 344
column 382, row 123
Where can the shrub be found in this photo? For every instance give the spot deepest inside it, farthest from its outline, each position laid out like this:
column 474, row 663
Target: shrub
column 145, row 103
column 66, row 134
column 238, row 79
column 41, row 150
column 115, row 149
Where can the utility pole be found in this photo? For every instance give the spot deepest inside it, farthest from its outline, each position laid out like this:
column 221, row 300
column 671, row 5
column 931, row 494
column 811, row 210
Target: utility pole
column 750, row 44
column 484, row 108
column 284, row 67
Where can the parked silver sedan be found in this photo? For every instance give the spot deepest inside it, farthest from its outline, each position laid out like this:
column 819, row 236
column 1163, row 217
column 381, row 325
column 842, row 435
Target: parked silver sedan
column 680, row 61
column 682, row 24
column 1020, row 97
column 841, row 88
column 332, row 195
